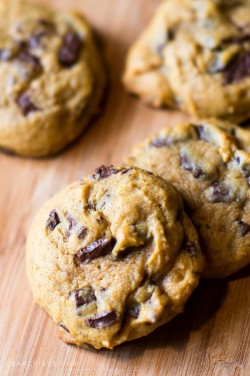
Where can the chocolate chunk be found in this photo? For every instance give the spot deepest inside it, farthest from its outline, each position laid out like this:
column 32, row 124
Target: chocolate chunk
column 53, row 220
column 72, row 222
column 201, row 133
column 5, row 55
column 134, row 311
column 160, row 142
column 244, row 228
column 237, row 69
column 84, row 296
column 192, row 248
column 187, row 165
column 219, row 193
column 95, row 249
column 248, row 181
column 237, row 39
column 246, row 170
column 26, row 104
column 104, row 172
column 70, row 49
column 32, row 60
column 82, row 232
column 103, row 320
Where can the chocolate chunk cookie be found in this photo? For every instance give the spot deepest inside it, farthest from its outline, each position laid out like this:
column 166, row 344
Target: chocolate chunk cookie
column 209, row 163
column 51, row 79
column 113, row 257
column 195, row 56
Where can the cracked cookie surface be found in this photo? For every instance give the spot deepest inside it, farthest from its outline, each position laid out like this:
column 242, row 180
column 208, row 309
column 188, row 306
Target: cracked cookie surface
column 51, row 79
column 195, row 56
column 113, row 257
column 209, row 164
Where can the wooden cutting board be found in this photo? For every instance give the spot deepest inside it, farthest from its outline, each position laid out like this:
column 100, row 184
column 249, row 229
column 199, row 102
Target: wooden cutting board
column 211, row 337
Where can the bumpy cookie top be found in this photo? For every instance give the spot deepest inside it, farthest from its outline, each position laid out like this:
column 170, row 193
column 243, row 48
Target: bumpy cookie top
column 195, row 55
column 114, row 256
column 209, row 163
column 48, row 73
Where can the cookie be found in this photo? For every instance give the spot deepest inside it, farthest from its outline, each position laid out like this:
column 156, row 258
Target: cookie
column 51, row 79
column 195, row 56
column 113, row 257
column 209, row 164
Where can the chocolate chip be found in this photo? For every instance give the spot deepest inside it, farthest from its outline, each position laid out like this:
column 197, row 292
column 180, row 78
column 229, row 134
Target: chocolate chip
column 5, row 55
column 62, row 325
column 219, row 192
column 134, row 311
column 160, row 142
column 89, row 207
column 70, row 49
column 103, row 320
column 237, row 69
column 244, row 228
column 192, row 248
column 53, row 220
column 30, row 59
column 72, row 222
column 187, row 165
column 104, row 172
column 84, row 296
column 26, row 104
column 95, row 249
column 82, row 232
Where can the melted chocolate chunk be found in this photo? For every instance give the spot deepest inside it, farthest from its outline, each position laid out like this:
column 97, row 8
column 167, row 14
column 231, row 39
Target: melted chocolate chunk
column 82, row 232
column 32, row 60
column 104, row 172
column 134, row 311
column 192, row 248
column 187, row 165
column 5, row 55
column 238, row 69
column 95, row 249
column 160, row 142
column 103, row 320
column 26, row 104
column 70, row 49
column 219, row 192
column 89, row 207
column 53, row 220
column 244, row 228
column 84, row 296
column 72, row 222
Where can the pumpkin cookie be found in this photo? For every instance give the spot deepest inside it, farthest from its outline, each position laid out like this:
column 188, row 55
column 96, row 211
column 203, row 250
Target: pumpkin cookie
column 195, row 56
column 51, row 79
column 209, row 163
column 113, row 257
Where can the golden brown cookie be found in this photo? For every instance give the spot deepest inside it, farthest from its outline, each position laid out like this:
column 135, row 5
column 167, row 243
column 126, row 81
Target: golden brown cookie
column 112, row 257
column 195, row 56
column 51, row 79
column 209, row 163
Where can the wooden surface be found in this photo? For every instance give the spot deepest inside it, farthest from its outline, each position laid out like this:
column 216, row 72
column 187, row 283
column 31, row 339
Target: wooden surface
column 212, row 336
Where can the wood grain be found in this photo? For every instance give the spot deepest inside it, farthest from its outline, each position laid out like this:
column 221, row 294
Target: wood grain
column 212, row 336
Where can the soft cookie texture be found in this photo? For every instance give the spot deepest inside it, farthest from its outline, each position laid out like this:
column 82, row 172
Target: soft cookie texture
column 209, row 163
column 195, row 56
column 51, row 79
column 113, row 257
